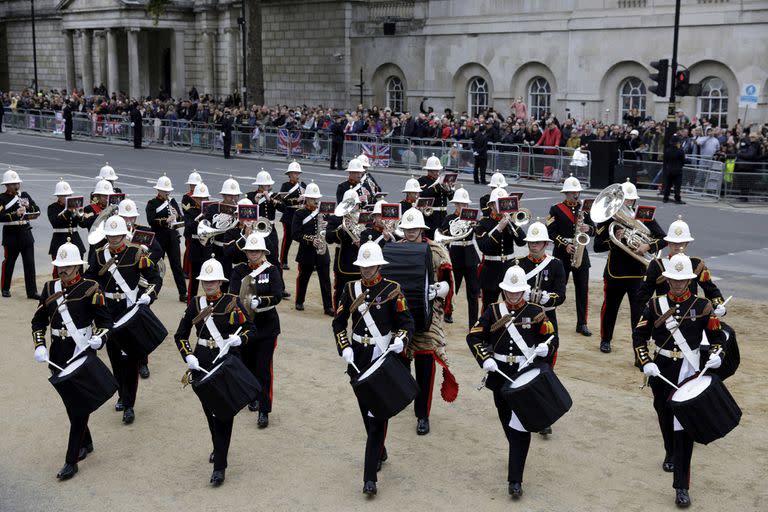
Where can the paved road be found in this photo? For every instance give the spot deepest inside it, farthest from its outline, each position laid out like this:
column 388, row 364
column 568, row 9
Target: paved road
column 734, row 242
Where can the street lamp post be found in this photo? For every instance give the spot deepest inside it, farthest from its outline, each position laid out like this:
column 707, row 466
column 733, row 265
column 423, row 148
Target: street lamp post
column 241, row 21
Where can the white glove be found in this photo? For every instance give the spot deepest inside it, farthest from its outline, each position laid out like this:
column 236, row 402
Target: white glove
column 255, row 302
column 132, row 125
column 544, row 297
column 348, row 355
column 41, row 354
column 397, row 345
column 527, row 295
column 713, row 362
column 442, row 288
column 541, row 350
column 192, row 362
column 432, row 293
column 651, row 370
column 720, row 311
column 95, row 342
column 490, row 365
column 144, row 299
column 234, row 341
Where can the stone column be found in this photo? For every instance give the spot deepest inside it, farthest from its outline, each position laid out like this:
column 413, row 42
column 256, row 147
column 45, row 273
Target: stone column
column 209, row 80
column 69, row 59
column 102, row 46
column 86, row 54
column 134, row 80
column 144, row 68
column 178, row 74
column 233, row 62
column 113, row 82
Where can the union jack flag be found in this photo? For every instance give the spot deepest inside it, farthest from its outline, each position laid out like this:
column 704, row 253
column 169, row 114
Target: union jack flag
column 289, row 142
column 378, row 154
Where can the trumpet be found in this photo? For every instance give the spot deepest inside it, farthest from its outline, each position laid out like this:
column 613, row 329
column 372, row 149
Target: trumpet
column 519, row 218
column 261, row 226
column 427, row 211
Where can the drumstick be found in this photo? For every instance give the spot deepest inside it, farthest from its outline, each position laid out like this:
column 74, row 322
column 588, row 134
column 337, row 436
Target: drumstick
column 667, row 381
column 75, row 356
column 225, row 349
column 528, row 361
column 702, row 372
column 726, row 300
column 505, row 376
column 355, row 367
column 54, row 365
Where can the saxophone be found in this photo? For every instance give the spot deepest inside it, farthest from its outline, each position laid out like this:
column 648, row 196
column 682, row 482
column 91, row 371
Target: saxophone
column 580, row 241
column 321, row 246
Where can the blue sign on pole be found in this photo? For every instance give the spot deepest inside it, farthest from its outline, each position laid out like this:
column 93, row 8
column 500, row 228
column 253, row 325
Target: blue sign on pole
column 749, row 95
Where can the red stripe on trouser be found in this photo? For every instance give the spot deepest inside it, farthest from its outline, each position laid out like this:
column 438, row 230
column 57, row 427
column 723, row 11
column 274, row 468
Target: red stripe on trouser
column 554, row 359
column 284, row 243
column 586, row 302
column 2, row 274
column 272, row 372
column 55, row 272
column 187, row 260
column 334, row 298
column 602, row 309
column 431, row 387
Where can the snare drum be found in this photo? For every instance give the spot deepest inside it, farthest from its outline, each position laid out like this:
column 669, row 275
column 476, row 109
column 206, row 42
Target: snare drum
column 385, row 387
column 139, row 331
column 228, row 387
column 705, row 408
column 85, row 384
column 537, row 397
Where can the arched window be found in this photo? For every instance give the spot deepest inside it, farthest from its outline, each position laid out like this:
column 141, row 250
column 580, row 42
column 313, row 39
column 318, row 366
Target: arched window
column 395, row 94
column 713, row 102
column 477, row 96
column 539, row 96
column 632, row 95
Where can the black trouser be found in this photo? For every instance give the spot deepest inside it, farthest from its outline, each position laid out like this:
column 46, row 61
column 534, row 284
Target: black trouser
column 137, row 138
column 27, row 252
column 661, row 391
column 226, row 263
column 302, row 280
column 272, row 257
column 489, row 296
column 581, row 287
column 481, row 164
column 683, row 451
column 472, row 288
column 339, row 282
column 424, row 365
column 374, row 445
column 673, row 180
column 227, row 147
column 614, row 291
column 337, row 150
column 519, row 442
column 221, row 434
column 285, row 244
column 170, row 244
column 79, row 435
column 125, row 367
column 257, row 356
column 67, row 130
column 195, row 264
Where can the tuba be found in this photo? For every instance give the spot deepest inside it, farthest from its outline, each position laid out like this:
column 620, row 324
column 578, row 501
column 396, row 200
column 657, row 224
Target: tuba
column 349, row 210
column 609, row 204
column 96, row 234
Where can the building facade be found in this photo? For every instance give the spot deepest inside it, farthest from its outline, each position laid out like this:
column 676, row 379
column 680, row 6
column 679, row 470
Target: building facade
column 586, row 58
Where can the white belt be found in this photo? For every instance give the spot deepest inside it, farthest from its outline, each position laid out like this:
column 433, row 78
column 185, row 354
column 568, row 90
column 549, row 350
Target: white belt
column 261, row 310
column 64, row 230
column 373, row 340
column 505, row 358
column 568, row 240
column 439, row 208
column 116, row 295
column 86, row 332
column 218, row 244
column 672, row 354
column 461, row 244
column 207, row 343
column 503, row 257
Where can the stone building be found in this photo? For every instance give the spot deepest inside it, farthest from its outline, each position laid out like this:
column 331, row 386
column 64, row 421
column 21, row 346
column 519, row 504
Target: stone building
column 586, row 58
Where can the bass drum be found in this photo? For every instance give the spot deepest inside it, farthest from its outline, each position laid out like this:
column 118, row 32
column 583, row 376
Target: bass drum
column 410, row 265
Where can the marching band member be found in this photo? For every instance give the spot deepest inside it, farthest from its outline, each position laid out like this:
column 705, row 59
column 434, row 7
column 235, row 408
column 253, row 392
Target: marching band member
column 106, row 173
column 564, row 220
column 187, row 202
column 394, row 325
column 465, row 259
column 268, row 207
column 236, row 238
column 307, row 231
column 427, row 347
column 70, row 304
column 196, row 250
column 230, row 194
column 99, row 202
column 623, row 274
column 432, row 186
column 654, row 283
column 377, row 229
column 293, row 190
column 497, row 181
column 17, row 234
column 64, row 222
column 216, row 317
column 687, row 335
column 412, row 191
column 496, row 237
column 162, row 213
column 117, row 268
column 368, row 181
column 264, row 284
column 506, row 334
column 344, row 269
column 355, row 172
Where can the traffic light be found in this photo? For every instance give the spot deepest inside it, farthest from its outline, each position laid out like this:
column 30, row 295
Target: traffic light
column 682, row 78
column 660, row 89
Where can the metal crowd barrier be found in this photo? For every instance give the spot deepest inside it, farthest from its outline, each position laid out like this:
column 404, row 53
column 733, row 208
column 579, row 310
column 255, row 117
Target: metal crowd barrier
column 745, row 182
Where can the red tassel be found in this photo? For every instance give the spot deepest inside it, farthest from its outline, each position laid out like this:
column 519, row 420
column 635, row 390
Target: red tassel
column 450, row 388
column 546, row 328
column 713, row 324
column 704, row 277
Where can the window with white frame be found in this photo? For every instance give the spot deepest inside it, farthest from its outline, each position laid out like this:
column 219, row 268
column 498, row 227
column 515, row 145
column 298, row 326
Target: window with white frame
column 539, row 98
column 477, row 96
column 395, row 94
column 713, row 102
column 632, row 95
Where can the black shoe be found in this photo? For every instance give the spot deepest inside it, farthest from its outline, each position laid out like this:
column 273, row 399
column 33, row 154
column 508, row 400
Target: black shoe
column 253, row 406
column 299, row 307
column 285, row 266
column 515, row 490
column 583, row 330
column 382, row 460
column 6, row 293
column 128, row 415
column 84, row 451
column 682, row 499
column 217, row 477
column 183, row 298
column 681, row 202
column 263, row 421
column 668, row 466
column 286, row 294
column 547, row 431
column 210, row 458
column 605, row 347
column 665, row 200
column 422, row 426
column 448, row 319
column 67, row 472
column 119, row 405
column 144, row 371
column 370, row 488
column 34, row 296
column 329, row 312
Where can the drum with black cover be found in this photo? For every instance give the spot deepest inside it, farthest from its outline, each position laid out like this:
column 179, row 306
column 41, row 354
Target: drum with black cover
column 705, row 408
column 139, row 332
column 85, row 383
column 386, row 386
column 537, row 397
column 410, row 265
column 226, row 388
